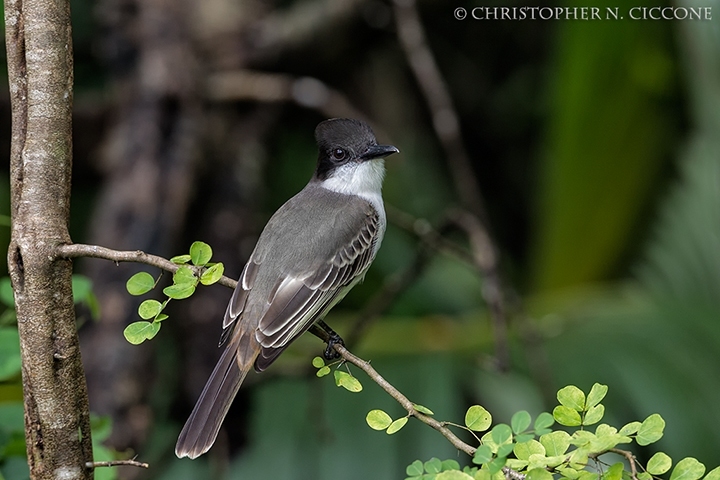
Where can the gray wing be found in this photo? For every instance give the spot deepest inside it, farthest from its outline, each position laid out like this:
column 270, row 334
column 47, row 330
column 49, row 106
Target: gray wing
column 295, row 300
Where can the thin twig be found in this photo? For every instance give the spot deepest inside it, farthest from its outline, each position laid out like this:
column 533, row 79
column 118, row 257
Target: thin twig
column 76, row 250
column 403, row 400
column 117, row 463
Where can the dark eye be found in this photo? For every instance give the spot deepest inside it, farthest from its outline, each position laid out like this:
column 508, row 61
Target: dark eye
column 338, row 154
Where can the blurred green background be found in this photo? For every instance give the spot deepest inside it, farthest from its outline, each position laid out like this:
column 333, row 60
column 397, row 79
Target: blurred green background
column 596, row 145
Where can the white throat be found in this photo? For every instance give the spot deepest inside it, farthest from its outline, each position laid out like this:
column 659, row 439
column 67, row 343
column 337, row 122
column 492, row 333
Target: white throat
column 364, row 180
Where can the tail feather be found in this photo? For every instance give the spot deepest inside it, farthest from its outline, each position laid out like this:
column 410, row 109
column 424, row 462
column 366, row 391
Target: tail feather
column 203, row 425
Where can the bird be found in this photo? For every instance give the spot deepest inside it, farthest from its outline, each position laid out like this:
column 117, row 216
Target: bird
column 313, row 250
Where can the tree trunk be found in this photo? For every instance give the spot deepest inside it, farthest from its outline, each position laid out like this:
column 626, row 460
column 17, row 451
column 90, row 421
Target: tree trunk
column 39, row 48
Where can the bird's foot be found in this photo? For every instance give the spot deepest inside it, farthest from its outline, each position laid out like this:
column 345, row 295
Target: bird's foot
column 330, row 352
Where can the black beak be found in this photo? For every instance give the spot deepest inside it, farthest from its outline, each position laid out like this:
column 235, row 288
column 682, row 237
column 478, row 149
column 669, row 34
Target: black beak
column 379, row 151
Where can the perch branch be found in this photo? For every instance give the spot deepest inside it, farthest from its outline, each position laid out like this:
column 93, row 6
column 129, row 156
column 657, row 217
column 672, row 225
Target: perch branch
column 75, row 250
column 117, row 463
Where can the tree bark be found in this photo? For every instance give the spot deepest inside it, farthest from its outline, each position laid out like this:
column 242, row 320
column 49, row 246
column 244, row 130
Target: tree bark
column 39, row 50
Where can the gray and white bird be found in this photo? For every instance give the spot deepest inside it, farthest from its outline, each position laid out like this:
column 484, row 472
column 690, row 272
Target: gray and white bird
column 312, row 251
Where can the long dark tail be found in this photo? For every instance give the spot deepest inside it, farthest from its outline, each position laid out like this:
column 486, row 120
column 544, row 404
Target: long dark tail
column 203, row 425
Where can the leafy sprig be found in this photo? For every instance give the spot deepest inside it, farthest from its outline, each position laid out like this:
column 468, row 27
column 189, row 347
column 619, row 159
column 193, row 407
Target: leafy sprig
column 195, row 268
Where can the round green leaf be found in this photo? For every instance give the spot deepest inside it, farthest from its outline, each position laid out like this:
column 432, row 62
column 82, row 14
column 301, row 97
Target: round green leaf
column 714, row 474
column 415, row 469
column 520, row 421
column 525, row 437
column 378, row 419
column 423, row 409
column 659, row 463
column 453, row 475
column 10, row 363
column 651, row 430
column 687, row 469
column 567, row 416
column 450, row 465
column 630, row 429
column 615, row 472
column 140, row 283
column 323, row 371
column 571, row 397
column 543, row 421
column 138, row 332
column 570, row 473
column 200, row 253
column 434, row 465
column 180, row 259
column 396, row 425
column 161, row 317
column 178, row 292
column 494, row 466
column 212, row 274
column 6, row 292
column 184, row 275
column 594, row 415
column 483, row 454
column 501, row 434
column 149, row 309
column 524, row 450
column 318, row 362
column 347, row 381
column 477, row 418
column 555, row 443
column 644, row 476
column 538, row 474
column 597, row 393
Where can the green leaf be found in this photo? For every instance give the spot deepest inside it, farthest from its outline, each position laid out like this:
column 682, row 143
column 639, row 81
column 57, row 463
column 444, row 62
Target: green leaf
column 212, row 274
column 378, row 419
column 434, row 465
column 524, row 450
column 423, row 409
column 396, row 425
column 453, row 475
column 644, row 476
column 543, row 421
column 6, row 292
column 614, row 473
column 140, row 283
column 200, row 253
column 323, row 371
column 659, row 463
column 520, row 421
column 482, row 474
column 415, row 469
column 714, row 474
column 651, row 430
column 10, row 363
column 538, row 474
column 505, row 449
column 184, row 275
column 161, row 317
column 525, row 437
column 318, row 362
column 631, row 428
column 571, row 397
column 138, row 332
column 555, row 443
column 81, row 288
column 477, row 418
column 496, row 465
column 687, row 469
column 347, row 381
column 597, row 393
column 483, row 454
column 180, row 291
column 567, row 416
column 149, row 309
column 570, row 473
column 501, row 434
column 450, row 465
column 180, row 259
column 594, row 415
